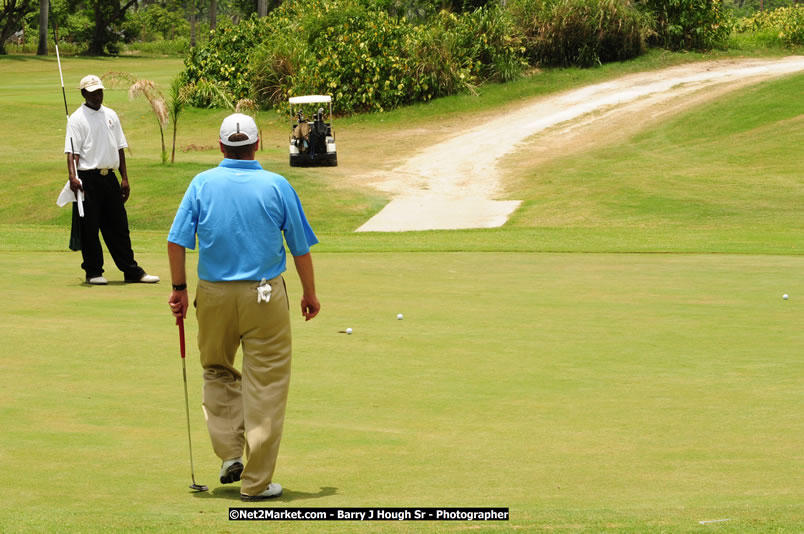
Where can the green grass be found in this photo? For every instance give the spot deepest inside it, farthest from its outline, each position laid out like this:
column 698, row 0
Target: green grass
column 729, row 184
column 731, row 169
column 598, row 392
column 543, row 366
column 762, row 41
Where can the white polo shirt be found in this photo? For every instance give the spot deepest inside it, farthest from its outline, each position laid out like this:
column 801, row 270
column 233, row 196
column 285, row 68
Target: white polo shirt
column 97, row 136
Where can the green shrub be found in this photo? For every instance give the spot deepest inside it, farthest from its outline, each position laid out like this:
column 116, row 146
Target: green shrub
column 689, row 24
column 364, row 57
column 335, row 47
column 224, row 61
column 747, row 8
column 489, row 41
column 437, row 66
column 784, row 25
column 581, row 32
column 415, row 11
column 275, row 67
column 359, row 58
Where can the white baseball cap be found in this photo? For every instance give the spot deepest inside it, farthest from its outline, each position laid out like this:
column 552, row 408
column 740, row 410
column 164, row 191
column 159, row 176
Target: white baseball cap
column 239, row 123
column 91, row 83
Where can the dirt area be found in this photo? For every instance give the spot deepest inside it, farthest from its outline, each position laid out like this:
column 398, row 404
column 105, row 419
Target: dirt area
column 456, row 182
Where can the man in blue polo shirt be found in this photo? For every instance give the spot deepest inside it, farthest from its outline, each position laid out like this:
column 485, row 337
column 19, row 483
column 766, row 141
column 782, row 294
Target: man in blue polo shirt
column 240, row 213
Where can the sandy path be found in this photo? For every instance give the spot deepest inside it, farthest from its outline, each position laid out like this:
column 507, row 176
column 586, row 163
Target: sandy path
column 453, row 184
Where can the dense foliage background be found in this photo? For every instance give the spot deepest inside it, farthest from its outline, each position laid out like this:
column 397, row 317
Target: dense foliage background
column 375, row 55
column 784, row 25
column 377, row 59
column 365, row 57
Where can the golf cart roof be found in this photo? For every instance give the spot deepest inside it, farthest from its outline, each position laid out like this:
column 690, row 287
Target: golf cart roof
column 309, row 99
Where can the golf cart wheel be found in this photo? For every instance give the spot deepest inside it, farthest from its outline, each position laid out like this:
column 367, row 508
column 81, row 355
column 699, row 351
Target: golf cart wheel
column 293, row 162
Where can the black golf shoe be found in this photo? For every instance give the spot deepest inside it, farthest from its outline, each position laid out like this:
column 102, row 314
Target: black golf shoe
column 231, row 470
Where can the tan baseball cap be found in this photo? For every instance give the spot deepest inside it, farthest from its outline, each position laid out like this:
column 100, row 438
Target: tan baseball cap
column 242, row 124
column 91, row 83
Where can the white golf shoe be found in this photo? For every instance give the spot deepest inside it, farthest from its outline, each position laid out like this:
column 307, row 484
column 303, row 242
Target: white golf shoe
column 97, row 281
column 274, row 490
column 146, row 279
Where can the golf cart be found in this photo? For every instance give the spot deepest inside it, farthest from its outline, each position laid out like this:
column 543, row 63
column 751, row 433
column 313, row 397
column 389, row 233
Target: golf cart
column 311, row 141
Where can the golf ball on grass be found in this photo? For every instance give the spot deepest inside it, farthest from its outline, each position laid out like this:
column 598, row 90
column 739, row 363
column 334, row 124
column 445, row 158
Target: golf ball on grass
column 349, row 331
column 399, row 316
column 784, row 296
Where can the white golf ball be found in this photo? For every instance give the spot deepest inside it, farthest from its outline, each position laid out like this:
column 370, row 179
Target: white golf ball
column 784, row 296
column 348, row 330
column 399, row 316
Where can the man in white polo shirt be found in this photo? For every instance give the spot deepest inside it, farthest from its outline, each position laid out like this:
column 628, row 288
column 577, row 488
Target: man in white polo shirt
column 95, row 145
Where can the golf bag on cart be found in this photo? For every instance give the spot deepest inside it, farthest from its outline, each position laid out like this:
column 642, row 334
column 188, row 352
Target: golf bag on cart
column 318, row 135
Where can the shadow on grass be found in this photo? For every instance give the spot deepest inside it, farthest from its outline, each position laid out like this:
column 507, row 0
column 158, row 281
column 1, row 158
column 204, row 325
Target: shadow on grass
column 24, row 57
column 84, row 283
column 233, row 493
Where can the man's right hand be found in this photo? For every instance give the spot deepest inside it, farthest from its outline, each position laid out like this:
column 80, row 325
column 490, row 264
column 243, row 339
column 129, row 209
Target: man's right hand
column 72, row 170
column 179, row 302
column 75, row 185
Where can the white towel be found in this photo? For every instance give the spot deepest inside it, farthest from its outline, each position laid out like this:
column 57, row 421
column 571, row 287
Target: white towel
column 264, row 291
column 66, row 196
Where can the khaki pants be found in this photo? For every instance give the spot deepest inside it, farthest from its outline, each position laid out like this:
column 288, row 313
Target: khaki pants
column 245, row 410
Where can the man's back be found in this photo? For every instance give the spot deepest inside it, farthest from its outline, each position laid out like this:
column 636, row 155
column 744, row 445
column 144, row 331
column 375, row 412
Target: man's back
column 239, row 212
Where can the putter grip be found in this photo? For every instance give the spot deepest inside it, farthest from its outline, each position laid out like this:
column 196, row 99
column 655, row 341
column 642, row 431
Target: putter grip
column 180, row 322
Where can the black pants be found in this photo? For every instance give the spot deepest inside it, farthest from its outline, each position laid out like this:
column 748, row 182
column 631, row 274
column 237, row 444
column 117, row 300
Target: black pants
column 104, row 211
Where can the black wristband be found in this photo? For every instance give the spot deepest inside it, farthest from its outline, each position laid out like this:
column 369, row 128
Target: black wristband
column 179, row 287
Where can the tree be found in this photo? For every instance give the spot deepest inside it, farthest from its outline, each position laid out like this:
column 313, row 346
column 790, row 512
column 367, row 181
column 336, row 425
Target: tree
column 194, row 11
column 41, row 49
column 242, row 8
column 260, row 7
column 160, row 21
column 107, row 14
column 107, row 17
column 213, row 14
column 11, row 14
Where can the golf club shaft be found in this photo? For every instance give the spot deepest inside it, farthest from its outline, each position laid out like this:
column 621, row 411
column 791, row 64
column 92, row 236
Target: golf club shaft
column 187, row 408
column 64, row 94
column 61, row 76
column 180, row 322
column 58, row 60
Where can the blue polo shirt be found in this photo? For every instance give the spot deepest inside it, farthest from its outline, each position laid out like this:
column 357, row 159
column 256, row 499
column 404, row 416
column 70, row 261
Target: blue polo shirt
column 239, row 213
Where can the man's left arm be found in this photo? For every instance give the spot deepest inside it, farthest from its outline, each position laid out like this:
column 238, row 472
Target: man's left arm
column 124, row 175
